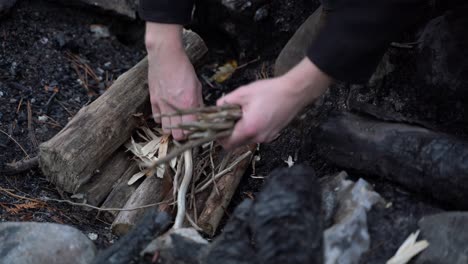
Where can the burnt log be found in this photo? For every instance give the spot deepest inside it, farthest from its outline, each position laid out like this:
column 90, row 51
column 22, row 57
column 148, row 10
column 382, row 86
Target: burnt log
column 128, row 248
column 427, row 162
column 71, row 158
column 283, row 225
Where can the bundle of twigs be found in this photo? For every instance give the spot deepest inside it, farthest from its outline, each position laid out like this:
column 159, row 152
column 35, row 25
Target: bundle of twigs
column 190, row 176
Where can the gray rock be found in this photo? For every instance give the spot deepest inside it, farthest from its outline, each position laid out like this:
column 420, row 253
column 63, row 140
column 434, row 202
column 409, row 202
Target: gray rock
column 296, row 48
column 333, row 187
column 447, row 234
column 5, row 6
column 348, row 239
column 43, row 243
column 442, row 55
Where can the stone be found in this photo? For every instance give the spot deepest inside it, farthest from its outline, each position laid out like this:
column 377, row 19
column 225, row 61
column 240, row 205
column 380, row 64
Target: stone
column 442, row 56
column 296, row 48
column 43, row 243
column 348, row 239
column 447, row 234
column 332, row 188
column 5, row 6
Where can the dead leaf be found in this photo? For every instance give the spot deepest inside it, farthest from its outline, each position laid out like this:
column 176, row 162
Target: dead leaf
column 16, row 208
column 224, row 72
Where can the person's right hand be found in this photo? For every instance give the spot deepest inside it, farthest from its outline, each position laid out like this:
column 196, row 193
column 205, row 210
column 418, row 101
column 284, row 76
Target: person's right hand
column 171, row 77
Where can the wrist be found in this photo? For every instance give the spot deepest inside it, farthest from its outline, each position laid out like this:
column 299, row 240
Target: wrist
column 167, row 37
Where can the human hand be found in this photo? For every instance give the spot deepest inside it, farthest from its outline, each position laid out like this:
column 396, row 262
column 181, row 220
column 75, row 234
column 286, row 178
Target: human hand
column 171, row 77
column 270, row 105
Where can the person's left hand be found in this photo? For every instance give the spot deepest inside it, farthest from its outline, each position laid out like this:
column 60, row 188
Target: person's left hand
column 270, row 105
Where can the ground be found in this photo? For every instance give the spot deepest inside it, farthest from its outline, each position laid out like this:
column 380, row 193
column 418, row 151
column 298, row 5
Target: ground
column 36, row 70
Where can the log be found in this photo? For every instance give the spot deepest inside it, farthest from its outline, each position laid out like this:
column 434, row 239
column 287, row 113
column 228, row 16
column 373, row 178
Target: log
column 97, row 189
column 151, row 190
column 216, row 205
column 427, row 162
column 120, row 193
column 71, row 158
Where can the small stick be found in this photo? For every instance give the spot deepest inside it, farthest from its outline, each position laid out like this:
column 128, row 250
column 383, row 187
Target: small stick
column 108, row 209
column 19, row 105
column 176, row 177
column 223, row 172
column 19, row 196
column 194, row 225
column 248, row 63
column 32, row 135
column 200, row 110
column 19, row 145
column 213, row 169
column 188, row 160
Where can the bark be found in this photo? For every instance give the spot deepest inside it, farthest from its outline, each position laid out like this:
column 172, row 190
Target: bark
column 151, row 190
column 71, row 158
column 96, row 190
column 120, row 193
column 427, row 162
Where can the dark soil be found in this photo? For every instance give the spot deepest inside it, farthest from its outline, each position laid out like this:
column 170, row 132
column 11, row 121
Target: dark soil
column 35, row 40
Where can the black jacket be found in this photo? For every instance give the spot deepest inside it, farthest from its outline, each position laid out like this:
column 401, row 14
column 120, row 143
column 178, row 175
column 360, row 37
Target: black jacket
column 351, row 43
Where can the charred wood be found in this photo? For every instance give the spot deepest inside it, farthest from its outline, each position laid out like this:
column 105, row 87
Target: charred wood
column 427, row 162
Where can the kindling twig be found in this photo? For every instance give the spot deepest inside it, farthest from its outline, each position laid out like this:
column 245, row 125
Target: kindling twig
column 188, row 161
column 223, row 172
column 201, row 110
column 107, row 209
column 191, row 144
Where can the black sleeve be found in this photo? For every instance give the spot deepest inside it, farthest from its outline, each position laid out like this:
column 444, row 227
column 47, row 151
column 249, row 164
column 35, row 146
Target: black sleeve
column 166, row 11
column 356, row 34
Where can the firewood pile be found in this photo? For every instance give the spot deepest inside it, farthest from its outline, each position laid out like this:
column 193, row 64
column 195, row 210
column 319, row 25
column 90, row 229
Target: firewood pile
column 108, row 156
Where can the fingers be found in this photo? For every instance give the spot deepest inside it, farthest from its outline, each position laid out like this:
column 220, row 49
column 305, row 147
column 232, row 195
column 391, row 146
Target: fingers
column 156, row 113
column 178, row 134
column 242, row 133
column 238, row 137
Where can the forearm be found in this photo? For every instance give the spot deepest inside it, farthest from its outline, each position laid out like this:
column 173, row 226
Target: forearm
column 306, row 82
